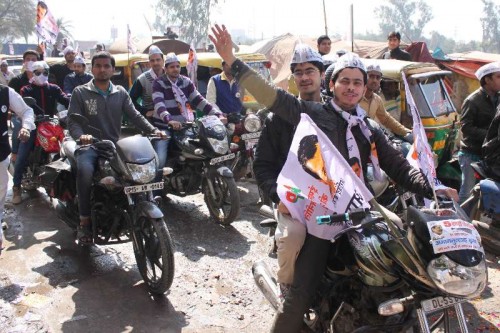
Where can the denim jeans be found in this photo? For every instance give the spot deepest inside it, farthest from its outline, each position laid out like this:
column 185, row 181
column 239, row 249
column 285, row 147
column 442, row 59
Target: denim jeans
column 23, row 154
column 4, row 181
column 161, row 149
column 86, row 162
column 16, row 122
column 468, row 180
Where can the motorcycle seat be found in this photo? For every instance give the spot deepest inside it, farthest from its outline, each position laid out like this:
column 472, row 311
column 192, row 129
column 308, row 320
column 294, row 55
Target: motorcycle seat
column 490, row 192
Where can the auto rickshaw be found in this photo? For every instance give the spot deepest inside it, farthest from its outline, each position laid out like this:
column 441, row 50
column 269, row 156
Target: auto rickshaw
column 436, row 109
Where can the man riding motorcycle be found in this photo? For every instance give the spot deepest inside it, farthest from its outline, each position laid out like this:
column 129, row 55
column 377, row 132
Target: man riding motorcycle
column 307, row 69
column 343, row 121
column 104, row 105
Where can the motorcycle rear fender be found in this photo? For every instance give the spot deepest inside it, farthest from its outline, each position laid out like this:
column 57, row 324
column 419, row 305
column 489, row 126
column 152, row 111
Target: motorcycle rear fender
column 148, row 209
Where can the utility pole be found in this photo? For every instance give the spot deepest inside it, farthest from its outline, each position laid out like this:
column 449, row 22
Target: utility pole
column 324, row 15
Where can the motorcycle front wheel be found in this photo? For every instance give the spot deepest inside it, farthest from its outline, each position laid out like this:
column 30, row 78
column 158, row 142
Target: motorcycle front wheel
column 224, row 205
column 154, row 254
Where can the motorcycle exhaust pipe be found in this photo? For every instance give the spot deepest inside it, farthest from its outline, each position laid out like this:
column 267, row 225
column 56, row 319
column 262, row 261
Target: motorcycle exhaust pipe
column 266, row 283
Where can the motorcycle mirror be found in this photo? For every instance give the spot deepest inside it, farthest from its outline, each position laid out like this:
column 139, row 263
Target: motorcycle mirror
column 78, row 118
column 30, row 101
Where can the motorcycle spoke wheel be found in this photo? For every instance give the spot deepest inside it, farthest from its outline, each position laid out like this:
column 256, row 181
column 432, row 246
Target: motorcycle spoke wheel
column 224, row 206
column 154, row 253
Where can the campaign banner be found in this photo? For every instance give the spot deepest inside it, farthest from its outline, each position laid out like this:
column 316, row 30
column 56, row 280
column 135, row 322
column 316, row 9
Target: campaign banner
column 46, row 25
column 453, row 235
column 317, row 180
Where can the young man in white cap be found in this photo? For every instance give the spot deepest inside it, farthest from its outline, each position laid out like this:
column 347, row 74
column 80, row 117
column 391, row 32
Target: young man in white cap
column 374, row 106
column 58, row 72
column 5, row 74
column 46, row 95
column 78, row 77
column 477, row 114
column 343, row 121
column 175, row 97
column 307, row 69
column 141, row 94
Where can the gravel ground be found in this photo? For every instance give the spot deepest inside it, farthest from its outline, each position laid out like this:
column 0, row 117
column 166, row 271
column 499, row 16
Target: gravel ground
column 48, row 284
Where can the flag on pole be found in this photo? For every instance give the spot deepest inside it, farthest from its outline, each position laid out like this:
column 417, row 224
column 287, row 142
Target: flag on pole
column 130, row 43
column 317, row 180
column 46, row 25
column 192, row 64
column 420, row 155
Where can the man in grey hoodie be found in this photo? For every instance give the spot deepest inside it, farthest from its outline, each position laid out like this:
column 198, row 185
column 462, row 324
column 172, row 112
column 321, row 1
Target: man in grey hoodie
column 104, row 105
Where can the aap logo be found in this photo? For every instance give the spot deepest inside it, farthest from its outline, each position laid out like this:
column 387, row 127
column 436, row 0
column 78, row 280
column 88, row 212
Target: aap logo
column 293, row 194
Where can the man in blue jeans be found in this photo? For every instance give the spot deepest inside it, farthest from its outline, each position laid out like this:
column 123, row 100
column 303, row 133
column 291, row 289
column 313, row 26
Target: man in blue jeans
column 104, row 105
column 477, row 114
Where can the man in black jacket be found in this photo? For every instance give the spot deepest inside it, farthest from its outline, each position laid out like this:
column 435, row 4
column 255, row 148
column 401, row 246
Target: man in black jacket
column 393, row 41
column 307, row 69
column 477, row 114
column 349, row 79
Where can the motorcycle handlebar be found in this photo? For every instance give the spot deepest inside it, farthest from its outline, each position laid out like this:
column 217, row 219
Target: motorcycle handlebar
column 357, row 214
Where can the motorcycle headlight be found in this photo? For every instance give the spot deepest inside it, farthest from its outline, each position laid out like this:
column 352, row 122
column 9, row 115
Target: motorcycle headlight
column 252, row 123
column 143, row 173
column 456, row 279
column 219, row 146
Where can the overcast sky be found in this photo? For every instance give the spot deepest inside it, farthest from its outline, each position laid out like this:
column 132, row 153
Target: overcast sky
column 93, row 19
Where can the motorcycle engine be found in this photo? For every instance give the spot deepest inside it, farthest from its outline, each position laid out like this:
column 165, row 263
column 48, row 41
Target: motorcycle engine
column 185, row 182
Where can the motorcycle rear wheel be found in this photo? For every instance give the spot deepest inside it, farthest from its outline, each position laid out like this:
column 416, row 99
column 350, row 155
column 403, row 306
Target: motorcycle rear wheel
column 225, row 206
column 154, row 254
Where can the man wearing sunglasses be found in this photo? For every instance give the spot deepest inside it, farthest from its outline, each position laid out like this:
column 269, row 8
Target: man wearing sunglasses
column 46, row 95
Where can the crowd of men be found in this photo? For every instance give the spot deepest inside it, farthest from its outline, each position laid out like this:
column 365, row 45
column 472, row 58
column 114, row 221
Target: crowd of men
column 342, row 99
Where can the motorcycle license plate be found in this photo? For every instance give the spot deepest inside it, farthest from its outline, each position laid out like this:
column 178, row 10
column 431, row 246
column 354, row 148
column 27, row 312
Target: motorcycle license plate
column 438, row 303
column 248, row 136
column 222, row 158
column 143, row 188
column 249, row 144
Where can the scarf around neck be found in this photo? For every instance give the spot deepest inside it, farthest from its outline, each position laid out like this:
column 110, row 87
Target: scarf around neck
column 181, row 99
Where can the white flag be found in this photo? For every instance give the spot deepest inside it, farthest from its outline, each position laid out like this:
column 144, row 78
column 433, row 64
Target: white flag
column 192, row 64
column 317, row 180
column 420, row 155
column 130, row 43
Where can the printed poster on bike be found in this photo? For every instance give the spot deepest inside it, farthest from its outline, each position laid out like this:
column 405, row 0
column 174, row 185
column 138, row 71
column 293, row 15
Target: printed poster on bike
column 453, row 235
column 316, row 180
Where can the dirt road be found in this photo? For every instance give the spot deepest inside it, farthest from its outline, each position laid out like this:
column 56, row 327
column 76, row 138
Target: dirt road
column 49, row 284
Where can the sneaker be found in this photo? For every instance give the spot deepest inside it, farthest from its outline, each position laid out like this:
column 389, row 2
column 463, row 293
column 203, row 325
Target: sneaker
column 284, row 290
column 4, row 225
column 16, row 195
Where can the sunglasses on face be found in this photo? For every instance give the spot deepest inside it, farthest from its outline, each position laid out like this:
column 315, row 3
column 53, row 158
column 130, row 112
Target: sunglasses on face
column 38, row 73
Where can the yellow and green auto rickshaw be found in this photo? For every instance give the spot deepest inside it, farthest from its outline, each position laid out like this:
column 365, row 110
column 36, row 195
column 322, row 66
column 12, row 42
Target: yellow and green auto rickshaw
column 436, row 109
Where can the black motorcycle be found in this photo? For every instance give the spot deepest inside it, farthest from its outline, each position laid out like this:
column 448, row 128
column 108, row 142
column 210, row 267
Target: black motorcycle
column 122, row 204
column 384, row 279
column 196, row 163
column 483, row 208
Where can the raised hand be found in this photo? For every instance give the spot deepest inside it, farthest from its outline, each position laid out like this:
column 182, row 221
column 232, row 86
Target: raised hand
column 223, row 43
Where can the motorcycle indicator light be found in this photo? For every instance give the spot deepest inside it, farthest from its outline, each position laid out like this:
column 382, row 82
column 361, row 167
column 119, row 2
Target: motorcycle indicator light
column 236, row 139
column 199, row 151
column 391, row 307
